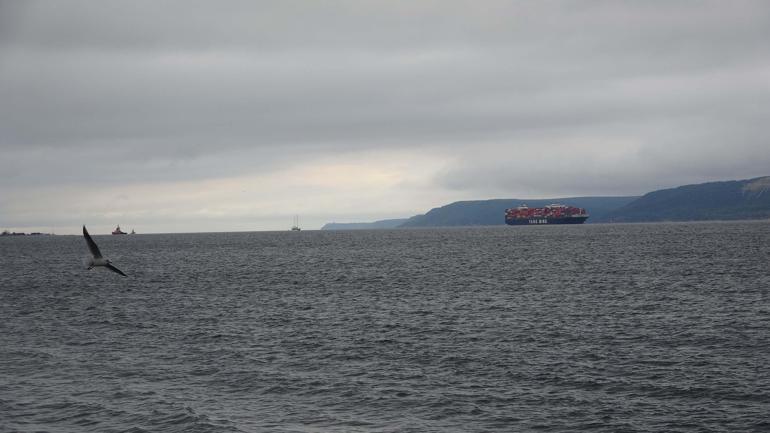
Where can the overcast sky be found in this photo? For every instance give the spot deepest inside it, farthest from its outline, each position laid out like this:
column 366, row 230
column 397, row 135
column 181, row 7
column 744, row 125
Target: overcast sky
column 213, row 116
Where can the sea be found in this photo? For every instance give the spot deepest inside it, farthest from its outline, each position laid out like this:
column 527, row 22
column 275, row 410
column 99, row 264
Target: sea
column 597, row 327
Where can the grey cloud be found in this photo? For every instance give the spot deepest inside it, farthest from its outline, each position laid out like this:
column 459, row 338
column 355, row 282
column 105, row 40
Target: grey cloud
column 127, row 91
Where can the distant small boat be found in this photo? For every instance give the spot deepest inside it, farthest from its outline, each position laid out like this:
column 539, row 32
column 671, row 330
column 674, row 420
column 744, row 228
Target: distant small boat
column 133, row 232
column 295, row 227
column 118, row 231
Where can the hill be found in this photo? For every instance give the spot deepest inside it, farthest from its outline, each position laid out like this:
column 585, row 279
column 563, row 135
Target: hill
column 729, row 200
column 491, row 212
column 382, row 224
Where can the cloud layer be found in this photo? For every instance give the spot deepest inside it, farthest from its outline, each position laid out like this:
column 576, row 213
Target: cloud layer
column 454, row 100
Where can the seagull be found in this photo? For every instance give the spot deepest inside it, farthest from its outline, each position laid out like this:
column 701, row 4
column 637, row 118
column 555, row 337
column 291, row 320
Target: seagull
column 98, row 260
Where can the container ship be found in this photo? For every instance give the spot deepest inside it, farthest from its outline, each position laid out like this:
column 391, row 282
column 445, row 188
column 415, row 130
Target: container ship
column 551, row 214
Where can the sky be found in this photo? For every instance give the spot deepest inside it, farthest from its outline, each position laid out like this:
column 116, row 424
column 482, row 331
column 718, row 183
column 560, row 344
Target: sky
column 191, row 116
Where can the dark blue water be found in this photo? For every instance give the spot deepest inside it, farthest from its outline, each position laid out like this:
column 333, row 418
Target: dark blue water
column 660, row 327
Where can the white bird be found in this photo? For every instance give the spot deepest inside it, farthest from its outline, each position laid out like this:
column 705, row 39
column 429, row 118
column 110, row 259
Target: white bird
column 98, row 260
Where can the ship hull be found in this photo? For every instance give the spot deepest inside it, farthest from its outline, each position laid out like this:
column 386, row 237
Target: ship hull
column 545, row 220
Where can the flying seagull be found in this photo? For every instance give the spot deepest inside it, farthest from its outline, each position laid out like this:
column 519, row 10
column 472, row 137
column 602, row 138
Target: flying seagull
column 98, row 260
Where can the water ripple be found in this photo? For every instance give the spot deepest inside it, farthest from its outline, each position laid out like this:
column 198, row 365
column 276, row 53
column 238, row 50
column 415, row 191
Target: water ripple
column 649, row 327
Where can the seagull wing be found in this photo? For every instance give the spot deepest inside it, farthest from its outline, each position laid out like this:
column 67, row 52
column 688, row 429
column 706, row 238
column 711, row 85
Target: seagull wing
column 91, row 244
column 114, row 269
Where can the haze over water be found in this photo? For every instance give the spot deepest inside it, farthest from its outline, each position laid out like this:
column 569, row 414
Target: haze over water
column 650, row 327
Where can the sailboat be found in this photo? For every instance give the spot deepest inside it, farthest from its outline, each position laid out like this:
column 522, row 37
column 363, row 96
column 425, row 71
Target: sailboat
column 295, row 227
